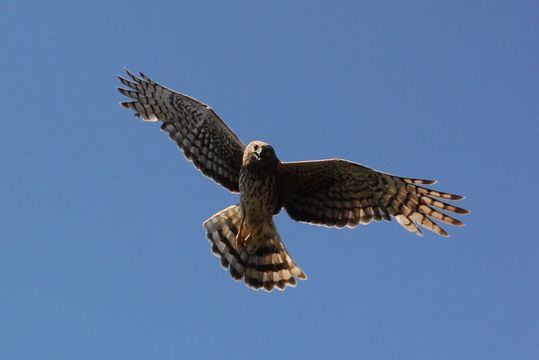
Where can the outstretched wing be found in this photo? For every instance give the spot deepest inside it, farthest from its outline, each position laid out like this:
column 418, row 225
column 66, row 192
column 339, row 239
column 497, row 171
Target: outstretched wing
column 204, row 138
column 341, row 193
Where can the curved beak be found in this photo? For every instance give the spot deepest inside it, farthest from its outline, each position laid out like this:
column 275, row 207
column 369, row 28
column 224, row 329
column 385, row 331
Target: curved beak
column 257, row 153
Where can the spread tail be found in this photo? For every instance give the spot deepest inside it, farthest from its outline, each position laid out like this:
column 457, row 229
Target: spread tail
column 264, row 263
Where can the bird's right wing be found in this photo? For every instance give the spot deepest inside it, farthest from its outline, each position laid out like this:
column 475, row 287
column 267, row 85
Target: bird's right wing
column 342, row 193
column 204, row 138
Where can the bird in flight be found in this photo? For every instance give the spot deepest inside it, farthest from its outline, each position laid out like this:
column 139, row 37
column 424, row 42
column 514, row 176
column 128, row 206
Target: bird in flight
column 334, row 193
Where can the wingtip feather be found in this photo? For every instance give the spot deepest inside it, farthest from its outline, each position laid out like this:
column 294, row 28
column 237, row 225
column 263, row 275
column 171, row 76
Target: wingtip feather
column 420, row 181
column 132, row 76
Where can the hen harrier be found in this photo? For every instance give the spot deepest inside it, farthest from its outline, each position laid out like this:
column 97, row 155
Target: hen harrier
column 325, row 192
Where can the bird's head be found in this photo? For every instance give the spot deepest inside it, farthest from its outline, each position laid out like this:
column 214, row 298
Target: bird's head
column 259, row 153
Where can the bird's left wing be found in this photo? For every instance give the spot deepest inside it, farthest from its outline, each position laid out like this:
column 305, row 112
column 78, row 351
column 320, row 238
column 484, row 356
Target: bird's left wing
column 342, row 193
column 204, row 138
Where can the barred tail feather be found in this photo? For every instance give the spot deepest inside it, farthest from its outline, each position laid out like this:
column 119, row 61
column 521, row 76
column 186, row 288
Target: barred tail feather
column 263, row 264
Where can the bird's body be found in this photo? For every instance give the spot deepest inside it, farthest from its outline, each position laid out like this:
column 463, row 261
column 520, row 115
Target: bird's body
column 258, row 202
column 331, row 192
column 259, row 197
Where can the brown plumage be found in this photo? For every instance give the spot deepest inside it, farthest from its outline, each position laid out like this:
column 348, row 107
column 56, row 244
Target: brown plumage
column 334, row 192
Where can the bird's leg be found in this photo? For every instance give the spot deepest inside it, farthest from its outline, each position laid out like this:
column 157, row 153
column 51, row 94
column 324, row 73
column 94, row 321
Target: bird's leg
column 240, row 240
column 243, row 242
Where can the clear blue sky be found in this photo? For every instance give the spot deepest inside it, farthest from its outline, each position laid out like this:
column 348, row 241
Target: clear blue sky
column 102, row 251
